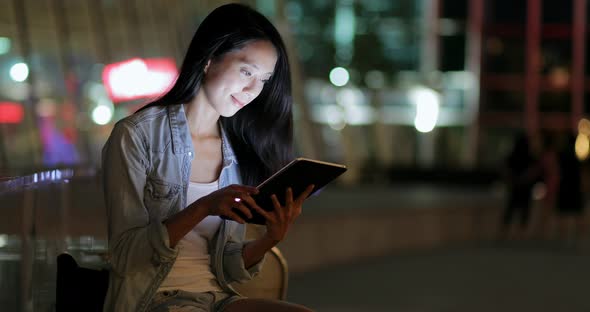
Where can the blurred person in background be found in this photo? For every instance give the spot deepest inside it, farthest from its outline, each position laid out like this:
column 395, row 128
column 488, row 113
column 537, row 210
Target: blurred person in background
column 549, row 175
column 520, row 173
column 179, row 164
column 569, row 197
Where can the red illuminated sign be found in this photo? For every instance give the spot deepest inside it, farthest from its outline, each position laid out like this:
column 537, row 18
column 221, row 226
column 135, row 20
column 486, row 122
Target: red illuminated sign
column 139, row 78
column 11, row 113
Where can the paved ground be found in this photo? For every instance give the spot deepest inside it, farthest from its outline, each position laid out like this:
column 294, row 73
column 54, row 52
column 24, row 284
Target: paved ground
column 498, row 277
column 515, row 277
column 501, row 277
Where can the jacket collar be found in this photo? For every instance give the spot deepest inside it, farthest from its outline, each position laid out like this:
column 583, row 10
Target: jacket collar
column 181, row 138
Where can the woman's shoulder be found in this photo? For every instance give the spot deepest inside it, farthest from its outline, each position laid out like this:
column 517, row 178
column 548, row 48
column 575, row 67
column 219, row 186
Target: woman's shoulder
column 151, row 125
column 134, row 123
column 145, row 115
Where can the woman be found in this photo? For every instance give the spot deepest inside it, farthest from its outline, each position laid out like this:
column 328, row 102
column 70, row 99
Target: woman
column 173, row 168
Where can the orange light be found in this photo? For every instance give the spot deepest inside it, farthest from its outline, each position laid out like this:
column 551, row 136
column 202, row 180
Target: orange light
column 582, row 147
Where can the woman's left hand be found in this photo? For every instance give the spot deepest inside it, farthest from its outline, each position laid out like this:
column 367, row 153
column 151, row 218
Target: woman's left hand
column 279, row 220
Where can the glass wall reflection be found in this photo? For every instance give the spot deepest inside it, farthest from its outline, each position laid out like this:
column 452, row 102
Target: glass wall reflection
column 358, row 67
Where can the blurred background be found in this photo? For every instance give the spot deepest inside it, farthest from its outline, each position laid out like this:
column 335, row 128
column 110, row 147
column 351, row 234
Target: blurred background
column 425, row 101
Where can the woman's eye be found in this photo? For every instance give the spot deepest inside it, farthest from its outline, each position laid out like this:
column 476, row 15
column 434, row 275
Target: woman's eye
column 246, row 73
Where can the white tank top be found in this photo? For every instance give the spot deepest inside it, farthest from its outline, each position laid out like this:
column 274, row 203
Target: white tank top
column 192, row 269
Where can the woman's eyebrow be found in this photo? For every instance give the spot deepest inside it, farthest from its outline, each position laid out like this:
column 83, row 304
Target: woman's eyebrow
column 251, row 64
column 255, row 66
column 248, row 62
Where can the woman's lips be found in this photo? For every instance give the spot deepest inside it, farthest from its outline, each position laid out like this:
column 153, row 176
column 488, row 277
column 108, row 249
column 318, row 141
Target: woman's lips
column 237, row 103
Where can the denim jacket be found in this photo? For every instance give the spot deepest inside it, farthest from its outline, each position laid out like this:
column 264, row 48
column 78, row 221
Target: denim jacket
column 146, row 165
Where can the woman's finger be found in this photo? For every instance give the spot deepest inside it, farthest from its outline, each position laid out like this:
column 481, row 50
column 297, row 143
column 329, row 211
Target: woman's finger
column 289, row 204
column 234, row 216
column 289, row 197
column 237, row 200
column 245, row 210
column 297, row 211
column 278, row 208
column 267, row 216
column 305, row 194
column 248, row 200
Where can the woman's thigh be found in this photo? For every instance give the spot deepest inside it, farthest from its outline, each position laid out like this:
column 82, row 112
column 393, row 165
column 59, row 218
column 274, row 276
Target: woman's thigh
column 181, row 301
column 261, row 305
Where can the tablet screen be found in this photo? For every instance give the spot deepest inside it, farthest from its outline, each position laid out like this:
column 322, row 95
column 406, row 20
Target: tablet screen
column 298, row 174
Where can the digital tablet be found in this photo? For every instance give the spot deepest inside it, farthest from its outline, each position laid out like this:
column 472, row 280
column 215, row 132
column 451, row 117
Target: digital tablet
column 298, row 174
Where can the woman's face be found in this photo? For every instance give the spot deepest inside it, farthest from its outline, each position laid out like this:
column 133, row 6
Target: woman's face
column 237, row 77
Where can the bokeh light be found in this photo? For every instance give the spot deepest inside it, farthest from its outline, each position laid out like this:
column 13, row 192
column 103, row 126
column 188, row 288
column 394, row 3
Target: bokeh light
column 19, row 72
column 427, row 103
column 102, row 115
column 582, row 146
column 339, row 76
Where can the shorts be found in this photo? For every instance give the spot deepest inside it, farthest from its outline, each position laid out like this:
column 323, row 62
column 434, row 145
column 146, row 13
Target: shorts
column 180, row 300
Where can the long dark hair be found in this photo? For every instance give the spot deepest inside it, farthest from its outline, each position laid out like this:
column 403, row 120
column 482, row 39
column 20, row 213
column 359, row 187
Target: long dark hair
column 262, row 132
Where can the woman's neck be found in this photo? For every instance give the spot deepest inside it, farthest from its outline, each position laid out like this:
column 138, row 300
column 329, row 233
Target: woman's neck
column 202, row 118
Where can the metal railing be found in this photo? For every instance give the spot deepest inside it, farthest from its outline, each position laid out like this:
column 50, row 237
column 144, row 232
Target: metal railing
column 42, row 215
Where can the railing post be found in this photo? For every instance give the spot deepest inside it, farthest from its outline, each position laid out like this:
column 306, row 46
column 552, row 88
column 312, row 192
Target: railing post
column 27, row 250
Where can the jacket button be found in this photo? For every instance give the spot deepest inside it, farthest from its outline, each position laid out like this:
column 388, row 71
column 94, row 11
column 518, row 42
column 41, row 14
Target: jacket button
column 190, row 153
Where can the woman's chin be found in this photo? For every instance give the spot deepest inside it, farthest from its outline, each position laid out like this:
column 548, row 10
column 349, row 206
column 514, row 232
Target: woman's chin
column 229, row 113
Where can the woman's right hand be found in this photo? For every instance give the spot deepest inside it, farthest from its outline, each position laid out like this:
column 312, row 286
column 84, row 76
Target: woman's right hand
column 222, row 201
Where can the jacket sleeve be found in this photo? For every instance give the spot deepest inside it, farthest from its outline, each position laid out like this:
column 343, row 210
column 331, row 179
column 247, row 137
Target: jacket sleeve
column 233, row 260
column 134, row 242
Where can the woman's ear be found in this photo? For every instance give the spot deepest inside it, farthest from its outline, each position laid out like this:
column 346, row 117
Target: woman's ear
column 207, row 66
